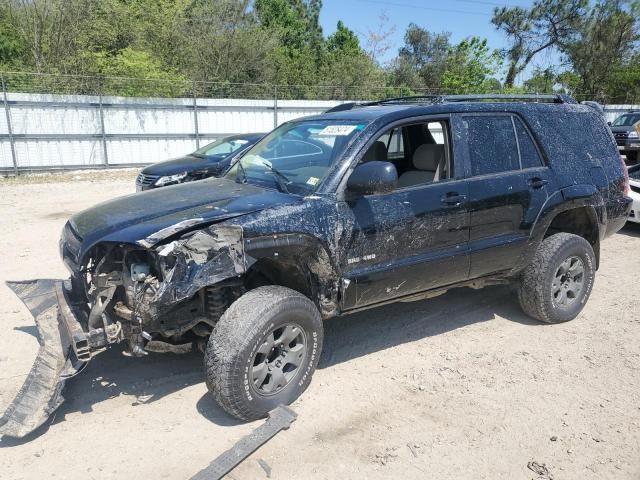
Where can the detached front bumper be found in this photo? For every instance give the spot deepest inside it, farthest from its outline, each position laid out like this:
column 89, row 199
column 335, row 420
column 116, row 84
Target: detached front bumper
column 64, row 351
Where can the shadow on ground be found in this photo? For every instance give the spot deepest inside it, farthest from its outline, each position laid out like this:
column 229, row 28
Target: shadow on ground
column 150, row 378
column 360, row 334
column 630, row 230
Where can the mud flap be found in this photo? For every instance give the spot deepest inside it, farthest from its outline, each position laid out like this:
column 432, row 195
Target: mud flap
column 41, row 393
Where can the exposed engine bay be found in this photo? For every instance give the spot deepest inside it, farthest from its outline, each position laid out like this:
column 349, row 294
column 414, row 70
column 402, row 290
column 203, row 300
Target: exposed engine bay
column 163, row 299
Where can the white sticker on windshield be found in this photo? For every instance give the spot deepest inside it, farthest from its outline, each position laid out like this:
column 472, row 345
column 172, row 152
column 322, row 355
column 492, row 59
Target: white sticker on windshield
column 337, row 130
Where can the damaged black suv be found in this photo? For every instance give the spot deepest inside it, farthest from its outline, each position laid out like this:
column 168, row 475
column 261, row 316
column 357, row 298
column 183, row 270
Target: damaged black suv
column 394, row 201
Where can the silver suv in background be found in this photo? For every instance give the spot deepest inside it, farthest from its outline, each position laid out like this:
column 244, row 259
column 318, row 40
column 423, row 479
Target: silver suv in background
column 625, row 129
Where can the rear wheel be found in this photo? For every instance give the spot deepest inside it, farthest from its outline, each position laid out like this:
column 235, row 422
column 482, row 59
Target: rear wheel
column 556, row 285
column 263, row 351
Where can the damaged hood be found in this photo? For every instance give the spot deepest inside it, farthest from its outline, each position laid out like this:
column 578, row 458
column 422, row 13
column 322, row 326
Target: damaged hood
column 139, row 218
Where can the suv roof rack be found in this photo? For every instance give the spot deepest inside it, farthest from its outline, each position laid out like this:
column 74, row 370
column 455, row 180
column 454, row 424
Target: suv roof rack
column 411, row 99
column 531, row 97
column 436, row 99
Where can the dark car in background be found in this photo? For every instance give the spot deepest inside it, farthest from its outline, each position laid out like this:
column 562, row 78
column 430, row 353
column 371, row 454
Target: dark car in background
column 626, row 135
column 209, row 161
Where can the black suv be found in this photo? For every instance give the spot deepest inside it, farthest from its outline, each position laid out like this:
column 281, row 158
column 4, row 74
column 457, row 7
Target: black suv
column 625, row 131
column 395, row 201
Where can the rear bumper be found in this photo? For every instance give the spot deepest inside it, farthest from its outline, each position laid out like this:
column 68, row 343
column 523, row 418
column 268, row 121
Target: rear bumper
column 618, row 211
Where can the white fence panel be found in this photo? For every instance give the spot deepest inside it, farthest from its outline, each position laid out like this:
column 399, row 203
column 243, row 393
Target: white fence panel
column 127, row 152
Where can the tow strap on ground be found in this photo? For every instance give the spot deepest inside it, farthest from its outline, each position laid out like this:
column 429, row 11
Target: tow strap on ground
column 279, row 419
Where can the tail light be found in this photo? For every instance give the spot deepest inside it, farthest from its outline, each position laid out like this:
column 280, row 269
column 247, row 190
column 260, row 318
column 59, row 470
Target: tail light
column 627, row 187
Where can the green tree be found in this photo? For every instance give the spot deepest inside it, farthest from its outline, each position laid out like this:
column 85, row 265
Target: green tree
column 531, row 31
column 470, row 66
column 541, row 81
column 347, row 66
column 12, row 48
column 605, row 38
column 300, row 49
column 624, row 82
column 422, row 59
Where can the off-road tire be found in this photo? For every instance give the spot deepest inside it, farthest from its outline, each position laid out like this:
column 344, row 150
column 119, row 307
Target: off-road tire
column 236, row 339
column 535, row 291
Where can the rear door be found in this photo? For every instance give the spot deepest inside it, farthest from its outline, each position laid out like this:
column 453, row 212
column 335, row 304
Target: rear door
column 508, row 185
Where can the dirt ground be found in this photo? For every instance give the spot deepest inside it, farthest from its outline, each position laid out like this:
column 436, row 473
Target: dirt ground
column 463, row 386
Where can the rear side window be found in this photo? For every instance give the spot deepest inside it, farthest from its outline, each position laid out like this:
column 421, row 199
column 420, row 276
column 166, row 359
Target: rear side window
column 492, row 144
column 529, row 155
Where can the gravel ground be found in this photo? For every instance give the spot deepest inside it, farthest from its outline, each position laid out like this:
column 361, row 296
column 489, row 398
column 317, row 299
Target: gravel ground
column 460, row 386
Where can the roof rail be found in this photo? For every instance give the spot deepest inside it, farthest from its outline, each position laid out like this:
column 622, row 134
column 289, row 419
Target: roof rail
column 531, row 97
column 411, row 99
column 434, row 99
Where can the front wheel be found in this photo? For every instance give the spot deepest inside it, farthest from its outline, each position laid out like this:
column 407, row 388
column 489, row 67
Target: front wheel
column 557, row 283
column 263, row 351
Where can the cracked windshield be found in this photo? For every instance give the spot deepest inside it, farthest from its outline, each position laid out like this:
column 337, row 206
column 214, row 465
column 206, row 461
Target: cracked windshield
column 296, row 157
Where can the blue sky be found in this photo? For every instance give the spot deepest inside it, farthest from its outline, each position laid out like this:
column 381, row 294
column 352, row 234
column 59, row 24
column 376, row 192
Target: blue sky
column 462, row 18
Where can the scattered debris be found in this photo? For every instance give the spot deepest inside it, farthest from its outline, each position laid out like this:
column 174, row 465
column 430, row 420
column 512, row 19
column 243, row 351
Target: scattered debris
column 279, row 419
column 265, row 466
column 384, row 457
column 413, row 448
column 540, row 469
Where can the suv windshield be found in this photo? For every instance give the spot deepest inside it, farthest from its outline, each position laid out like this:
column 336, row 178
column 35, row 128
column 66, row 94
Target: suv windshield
column 295, row 157
column 224, row 146
column 626, row 120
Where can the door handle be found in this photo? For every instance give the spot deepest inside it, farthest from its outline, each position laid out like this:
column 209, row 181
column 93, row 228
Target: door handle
column 453, row 199
column 537, row 182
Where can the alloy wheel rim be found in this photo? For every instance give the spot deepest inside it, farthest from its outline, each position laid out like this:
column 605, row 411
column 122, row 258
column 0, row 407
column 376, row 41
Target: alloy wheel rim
column 568, row 282
column 278, row 359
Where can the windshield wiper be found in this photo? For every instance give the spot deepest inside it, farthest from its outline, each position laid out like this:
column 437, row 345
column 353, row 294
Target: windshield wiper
column 281, row 179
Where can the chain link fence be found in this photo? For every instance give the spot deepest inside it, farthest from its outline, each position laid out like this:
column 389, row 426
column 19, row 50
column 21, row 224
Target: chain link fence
column 64, row 122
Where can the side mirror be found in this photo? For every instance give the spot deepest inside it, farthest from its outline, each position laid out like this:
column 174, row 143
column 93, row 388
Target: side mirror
column 609, row 123
column 373, row 177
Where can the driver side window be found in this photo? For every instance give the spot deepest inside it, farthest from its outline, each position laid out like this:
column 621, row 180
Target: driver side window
column 420, row 152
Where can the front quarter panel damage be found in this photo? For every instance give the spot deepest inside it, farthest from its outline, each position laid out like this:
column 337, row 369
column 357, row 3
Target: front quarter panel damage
column 192, row 262
column 200, row 259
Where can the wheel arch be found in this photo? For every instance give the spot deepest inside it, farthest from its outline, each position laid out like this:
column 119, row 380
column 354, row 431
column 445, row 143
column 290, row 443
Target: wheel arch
column 297, row 261
column 579, row 209
column 578, row 217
